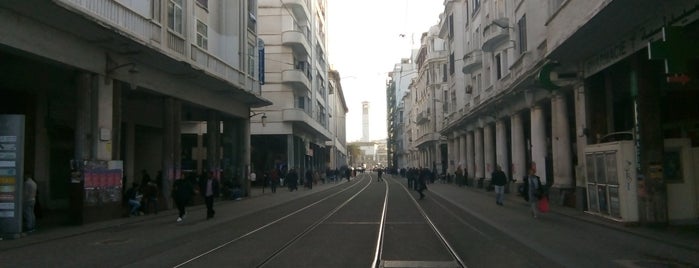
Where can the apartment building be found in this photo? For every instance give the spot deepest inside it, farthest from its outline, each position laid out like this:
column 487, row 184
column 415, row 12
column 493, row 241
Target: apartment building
column 297, row 127
column 593, row 96
column 337, row 122
column 398, row 107
column 427, row 95
column 105, row 89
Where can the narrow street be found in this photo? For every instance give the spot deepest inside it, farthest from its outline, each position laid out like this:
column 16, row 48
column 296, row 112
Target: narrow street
column 337, row 225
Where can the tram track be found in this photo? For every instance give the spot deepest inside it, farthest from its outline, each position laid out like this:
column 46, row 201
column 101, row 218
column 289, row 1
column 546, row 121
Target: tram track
column 380, row 262
column 288, row 243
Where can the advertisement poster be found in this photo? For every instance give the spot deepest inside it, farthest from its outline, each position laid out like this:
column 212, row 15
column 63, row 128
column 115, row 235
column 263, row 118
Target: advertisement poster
column 102, row 182
column 11, row 170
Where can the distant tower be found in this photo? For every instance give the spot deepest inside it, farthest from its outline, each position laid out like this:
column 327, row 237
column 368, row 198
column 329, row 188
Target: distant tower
column 365, row 121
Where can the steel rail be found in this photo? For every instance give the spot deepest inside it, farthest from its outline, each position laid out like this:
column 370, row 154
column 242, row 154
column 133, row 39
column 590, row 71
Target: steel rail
column 264, row 226
column 312, row 226
column 439, row 234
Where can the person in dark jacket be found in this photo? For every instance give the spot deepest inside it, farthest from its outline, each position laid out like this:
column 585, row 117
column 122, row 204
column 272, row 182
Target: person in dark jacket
column 292, row 180
column 182, row 191
column 421, row 183
column 499, row 181
column 209, row 188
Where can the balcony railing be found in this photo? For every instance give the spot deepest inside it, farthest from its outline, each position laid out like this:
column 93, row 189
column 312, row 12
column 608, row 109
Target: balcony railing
column 144, row 30
column 296, row 77
column 422, row 117
column 473, row 61
column 299, row 8
column 495, row 34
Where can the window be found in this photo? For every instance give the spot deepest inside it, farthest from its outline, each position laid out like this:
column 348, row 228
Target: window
column 451, row 63
column 301, row 102
column 522, row 30
column 252, row 52
column 202, row 35
column 476, row 5
column 252, row 15
column 155, row 10
column 444, row 73
column 498, row 67
column 174, row 16
column 203, row 3
column 451, row 26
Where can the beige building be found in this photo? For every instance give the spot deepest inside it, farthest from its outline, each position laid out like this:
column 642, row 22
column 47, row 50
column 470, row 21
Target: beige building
column 298, row 130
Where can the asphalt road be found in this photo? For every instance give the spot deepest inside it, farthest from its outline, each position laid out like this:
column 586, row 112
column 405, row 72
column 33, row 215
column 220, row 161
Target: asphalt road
column 339, row 225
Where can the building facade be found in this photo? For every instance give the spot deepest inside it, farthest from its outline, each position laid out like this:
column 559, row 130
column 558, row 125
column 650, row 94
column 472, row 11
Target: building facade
column 338, row 123
column 593, row 96
column 107, row 88
column 397, row 111
column 428, row 95
column 297, row 126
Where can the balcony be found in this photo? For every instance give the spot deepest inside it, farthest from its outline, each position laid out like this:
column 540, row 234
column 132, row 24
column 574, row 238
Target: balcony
column 422, row 117
column 495, row 34
column 473, row 61
column 299, row 8
column 297, row 41
column 296, row 77
column 307, row 122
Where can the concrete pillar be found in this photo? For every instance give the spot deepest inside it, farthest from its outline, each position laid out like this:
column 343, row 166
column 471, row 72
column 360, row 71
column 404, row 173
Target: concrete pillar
column 457, row 150
column 470, row 165
column 130, row 152
column 213, row 130
column 581, row 127
column 244, row 140
column 117, row 139
column 501, row 149
column 562, row 154
column 538, row 124
column 451, row 164
column 104, row 119
column 518, row 165
column 83, row 117
column 171, row 147
column 462, row 150
column 480, row 161
column 488, row 151
column 291, row 153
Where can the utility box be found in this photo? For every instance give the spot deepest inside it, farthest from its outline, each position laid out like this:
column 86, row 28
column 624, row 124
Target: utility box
column 611, row 180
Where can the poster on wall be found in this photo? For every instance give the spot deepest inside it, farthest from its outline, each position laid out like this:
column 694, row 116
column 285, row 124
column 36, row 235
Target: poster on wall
column 102, row 182
column 11, row 174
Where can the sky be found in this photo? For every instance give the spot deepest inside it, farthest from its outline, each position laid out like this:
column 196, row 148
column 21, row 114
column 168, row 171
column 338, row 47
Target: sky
column 366, row 39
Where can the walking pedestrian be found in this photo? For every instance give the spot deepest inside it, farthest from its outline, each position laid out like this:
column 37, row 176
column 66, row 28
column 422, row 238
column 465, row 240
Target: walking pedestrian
column 380, row 171
column 274, row 180
column 533, row 190
column 499, row 181
column 182, row 191
column 30, row 190
column 421, row 182
column 292, row 180
column 209, row 187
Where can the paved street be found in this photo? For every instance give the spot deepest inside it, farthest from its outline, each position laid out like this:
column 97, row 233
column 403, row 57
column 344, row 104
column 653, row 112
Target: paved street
column 338, row 225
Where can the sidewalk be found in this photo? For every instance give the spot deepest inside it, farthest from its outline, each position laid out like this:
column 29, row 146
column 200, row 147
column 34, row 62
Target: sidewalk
column 255, row 201
column 681, row 236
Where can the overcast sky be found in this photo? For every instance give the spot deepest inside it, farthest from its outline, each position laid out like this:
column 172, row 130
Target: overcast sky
column 365, row 43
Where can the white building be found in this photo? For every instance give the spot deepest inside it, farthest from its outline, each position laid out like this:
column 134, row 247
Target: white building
column 296, row 128
column 588, row 94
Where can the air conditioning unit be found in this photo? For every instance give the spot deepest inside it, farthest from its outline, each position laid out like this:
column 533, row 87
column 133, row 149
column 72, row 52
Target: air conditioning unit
column 469, row 89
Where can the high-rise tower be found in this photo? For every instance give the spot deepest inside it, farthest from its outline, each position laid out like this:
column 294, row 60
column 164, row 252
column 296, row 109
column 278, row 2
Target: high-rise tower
column 365, row 121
